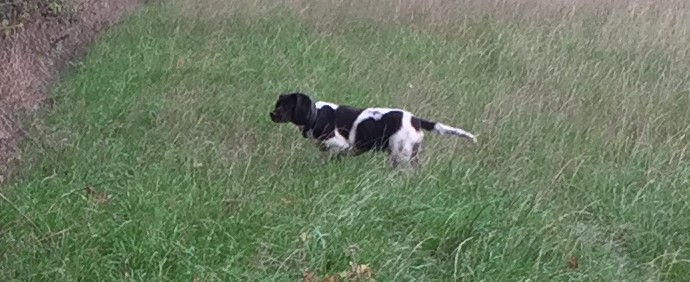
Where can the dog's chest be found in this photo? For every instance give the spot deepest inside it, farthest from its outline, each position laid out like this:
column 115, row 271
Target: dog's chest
column 334, row 142
column 332, row 127
column 337, row 143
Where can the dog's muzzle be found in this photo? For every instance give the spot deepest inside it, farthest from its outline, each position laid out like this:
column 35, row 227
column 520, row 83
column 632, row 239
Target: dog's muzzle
column 274, row 117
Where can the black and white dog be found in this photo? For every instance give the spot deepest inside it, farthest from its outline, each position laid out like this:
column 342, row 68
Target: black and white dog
column 343, row 130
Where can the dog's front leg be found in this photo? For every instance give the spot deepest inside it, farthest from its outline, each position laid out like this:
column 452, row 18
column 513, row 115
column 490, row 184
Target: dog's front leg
column 329, row 153
column 334, row 156
column 335, row 148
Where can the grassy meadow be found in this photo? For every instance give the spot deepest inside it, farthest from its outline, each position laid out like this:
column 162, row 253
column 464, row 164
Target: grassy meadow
column 158, row 161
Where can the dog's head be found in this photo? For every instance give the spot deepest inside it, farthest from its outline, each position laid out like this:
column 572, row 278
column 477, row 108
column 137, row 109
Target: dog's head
column 297, row 108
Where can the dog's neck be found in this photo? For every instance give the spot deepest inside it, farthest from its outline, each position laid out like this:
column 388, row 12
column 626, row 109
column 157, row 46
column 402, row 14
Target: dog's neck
column 311, row 123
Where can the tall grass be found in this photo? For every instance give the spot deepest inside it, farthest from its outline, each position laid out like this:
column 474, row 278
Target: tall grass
column 159, row 161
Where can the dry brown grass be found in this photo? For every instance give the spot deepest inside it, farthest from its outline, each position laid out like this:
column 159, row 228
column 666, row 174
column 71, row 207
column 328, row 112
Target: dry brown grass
column 446, row 13
column 34, row 56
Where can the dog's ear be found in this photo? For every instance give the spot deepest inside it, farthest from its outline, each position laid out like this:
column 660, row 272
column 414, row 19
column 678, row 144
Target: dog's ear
column 303, row 110
column 282, row 99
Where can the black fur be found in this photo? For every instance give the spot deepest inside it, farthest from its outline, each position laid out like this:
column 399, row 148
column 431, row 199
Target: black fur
column 371, row 134
column 322, row 123
column 374, row 134
column 329, row 119
column 296, row 108
column 425, row 124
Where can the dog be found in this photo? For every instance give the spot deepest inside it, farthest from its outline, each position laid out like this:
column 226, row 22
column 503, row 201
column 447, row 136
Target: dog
column 343, row 130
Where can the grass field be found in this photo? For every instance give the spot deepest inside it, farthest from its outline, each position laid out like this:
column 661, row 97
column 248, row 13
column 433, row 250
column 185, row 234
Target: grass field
column 158, row 161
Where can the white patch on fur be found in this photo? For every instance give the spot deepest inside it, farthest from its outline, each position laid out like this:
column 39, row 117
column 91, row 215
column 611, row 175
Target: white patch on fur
column 446, row 130
column 321, row 104
column 337, row 144
column 405, row 143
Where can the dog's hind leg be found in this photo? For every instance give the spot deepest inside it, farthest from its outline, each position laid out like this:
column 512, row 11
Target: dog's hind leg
column 400, row 154
column 414, row 161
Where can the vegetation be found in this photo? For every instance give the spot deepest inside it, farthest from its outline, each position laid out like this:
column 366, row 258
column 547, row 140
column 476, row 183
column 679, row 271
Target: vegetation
column 14, row 13
column 158, row 160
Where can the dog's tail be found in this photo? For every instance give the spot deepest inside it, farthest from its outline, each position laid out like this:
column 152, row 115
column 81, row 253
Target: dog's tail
column 445, row 130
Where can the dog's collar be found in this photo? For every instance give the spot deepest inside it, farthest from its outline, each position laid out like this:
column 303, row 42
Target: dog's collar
column 312, row 121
